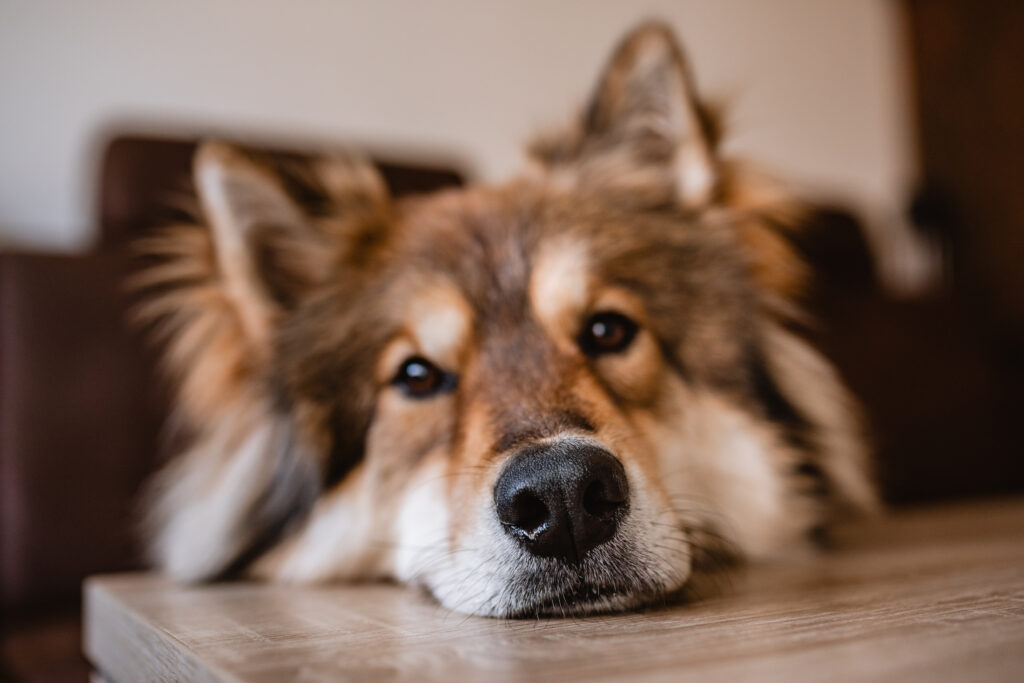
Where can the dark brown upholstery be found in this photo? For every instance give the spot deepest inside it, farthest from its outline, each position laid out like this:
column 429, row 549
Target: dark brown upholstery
column 80, row 406
column 78, row 423
column 940, row 384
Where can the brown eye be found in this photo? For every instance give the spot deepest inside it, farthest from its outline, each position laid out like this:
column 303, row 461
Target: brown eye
column 419, row 378
column 607, row 332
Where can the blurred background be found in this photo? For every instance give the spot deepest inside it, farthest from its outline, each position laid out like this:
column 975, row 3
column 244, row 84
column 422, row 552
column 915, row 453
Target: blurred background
column 902, row 120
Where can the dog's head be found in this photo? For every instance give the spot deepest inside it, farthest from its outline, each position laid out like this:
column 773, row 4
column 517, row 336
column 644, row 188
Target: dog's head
column 551, row 395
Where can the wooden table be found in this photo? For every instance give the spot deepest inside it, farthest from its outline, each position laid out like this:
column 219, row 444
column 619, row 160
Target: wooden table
column 923, row 595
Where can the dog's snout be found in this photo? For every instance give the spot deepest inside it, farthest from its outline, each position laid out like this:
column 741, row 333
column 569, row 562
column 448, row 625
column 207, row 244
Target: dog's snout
column 562, row 500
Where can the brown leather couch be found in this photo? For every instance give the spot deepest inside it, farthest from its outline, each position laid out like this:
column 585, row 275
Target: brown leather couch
column 81, row 407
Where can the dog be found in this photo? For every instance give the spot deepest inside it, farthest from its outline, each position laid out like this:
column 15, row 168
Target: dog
column 569, row 393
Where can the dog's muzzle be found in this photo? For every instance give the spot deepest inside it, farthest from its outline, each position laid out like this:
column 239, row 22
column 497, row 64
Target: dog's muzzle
column 563, row 499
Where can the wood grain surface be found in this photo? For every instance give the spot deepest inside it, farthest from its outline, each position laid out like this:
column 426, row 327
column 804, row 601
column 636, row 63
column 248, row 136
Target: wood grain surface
column 932, row 594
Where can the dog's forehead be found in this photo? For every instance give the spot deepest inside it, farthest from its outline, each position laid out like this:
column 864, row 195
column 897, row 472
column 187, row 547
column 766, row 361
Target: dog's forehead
column 513, row 247
column 482, row 240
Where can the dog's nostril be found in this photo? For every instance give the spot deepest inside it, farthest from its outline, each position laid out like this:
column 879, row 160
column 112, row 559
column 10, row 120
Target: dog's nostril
column 602, row 499
column 528, row 513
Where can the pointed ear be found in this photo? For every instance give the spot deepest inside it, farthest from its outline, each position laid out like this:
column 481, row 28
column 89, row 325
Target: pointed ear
column 268, row 235
column 644, row 132
column 268, row 251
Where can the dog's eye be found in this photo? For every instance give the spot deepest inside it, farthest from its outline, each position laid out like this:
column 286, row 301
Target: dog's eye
column 420, row 378
column 606, row 332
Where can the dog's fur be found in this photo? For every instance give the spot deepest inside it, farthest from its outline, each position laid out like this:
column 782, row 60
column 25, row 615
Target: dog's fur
column 287, row 321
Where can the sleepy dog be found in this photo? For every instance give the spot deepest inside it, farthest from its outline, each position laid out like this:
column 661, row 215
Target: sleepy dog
column 564, row 394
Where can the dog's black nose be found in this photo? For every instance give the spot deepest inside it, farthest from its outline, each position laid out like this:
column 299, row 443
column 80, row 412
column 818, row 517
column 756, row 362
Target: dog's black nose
column 563, row 499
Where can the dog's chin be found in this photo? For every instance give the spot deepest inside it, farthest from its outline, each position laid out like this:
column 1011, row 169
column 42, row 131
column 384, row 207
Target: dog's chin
column 586, row 598
column 604, row 582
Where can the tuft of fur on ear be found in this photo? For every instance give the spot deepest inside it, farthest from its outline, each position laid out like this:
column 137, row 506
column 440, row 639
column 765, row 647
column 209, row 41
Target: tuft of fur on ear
column 644, row 136
column 264, row 238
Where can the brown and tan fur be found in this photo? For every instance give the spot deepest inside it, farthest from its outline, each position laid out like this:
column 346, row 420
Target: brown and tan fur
column 287, row 323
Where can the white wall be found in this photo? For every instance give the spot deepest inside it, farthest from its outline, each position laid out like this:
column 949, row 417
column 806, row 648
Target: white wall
column 815, row 84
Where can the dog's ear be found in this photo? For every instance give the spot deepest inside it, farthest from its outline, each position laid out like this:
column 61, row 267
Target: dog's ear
column 278, row 231
column 268, row 234
column 644, row 134
column 266, row 248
